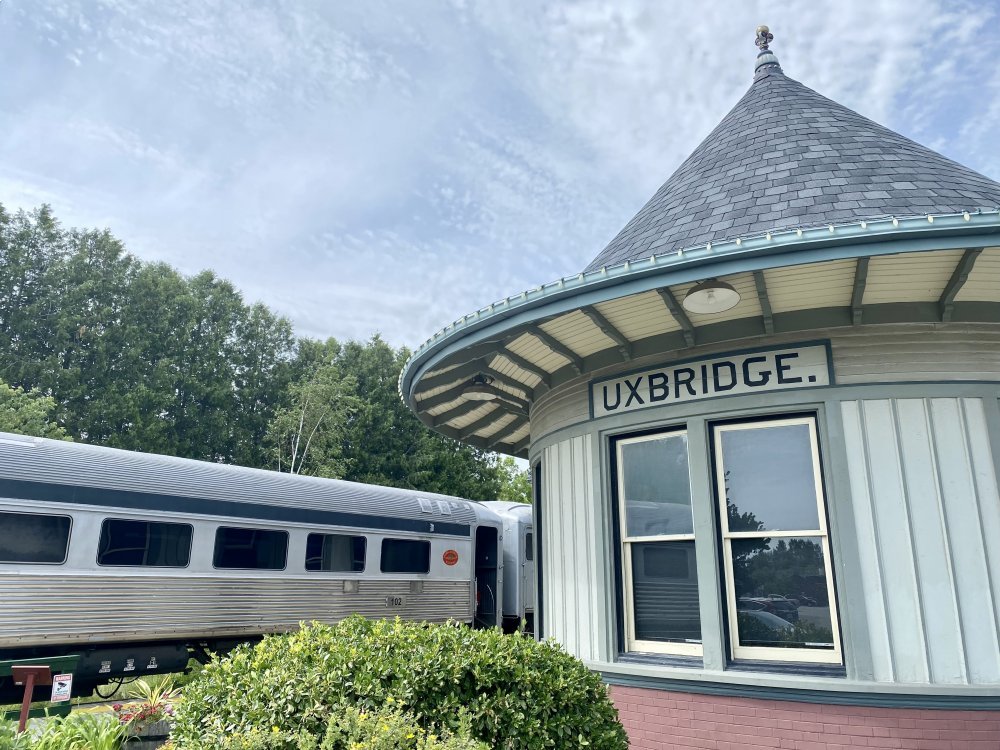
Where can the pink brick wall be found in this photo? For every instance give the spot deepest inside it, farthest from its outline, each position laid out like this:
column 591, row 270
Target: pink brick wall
column 659, row 719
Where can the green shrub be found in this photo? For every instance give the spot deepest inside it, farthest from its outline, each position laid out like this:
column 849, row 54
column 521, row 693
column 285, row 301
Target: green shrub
column 351, row 728
column 516, row 693
column 10, row 739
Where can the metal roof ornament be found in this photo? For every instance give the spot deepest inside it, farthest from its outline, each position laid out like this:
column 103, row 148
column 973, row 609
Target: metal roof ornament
column 766, row 61
column 764, row 38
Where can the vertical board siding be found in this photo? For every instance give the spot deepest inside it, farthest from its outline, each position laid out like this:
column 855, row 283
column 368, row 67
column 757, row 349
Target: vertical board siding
column 925, row 499
column 573, row 548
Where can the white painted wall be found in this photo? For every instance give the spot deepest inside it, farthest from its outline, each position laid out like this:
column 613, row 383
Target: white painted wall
column 927, row 514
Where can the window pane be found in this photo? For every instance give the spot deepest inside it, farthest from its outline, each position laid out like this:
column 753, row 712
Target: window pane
column 335, row 552
column 529, row 547
column 665, row 592
column 657, row 493
column 770, row 483
column 406, row 556
column 782, row 598
column 31, row 538
column 257, row 549
column 148, row 543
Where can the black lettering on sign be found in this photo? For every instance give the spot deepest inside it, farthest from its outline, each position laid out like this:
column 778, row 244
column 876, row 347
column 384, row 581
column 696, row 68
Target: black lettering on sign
column 704, row 380
column 782, row 368
column 683, row 376
column 659, row 388
column 765, row 375
column 633, row 391
column 717, row 368
column 618, row 397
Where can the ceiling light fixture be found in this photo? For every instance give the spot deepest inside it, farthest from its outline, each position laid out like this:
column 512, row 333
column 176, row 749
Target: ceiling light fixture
column 711, row 297
column 480, row 388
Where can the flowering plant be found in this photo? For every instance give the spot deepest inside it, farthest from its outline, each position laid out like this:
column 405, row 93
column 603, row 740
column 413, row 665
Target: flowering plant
column 152, row 707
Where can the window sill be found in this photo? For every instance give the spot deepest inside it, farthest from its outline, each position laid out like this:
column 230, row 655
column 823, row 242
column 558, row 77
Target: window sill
column 778, row 667
column 662, row 660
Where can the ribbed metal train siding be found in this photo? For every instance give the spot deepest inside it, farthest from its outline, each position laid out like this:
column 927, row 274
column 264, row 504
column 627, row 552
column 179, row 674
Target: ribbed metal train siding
column 56, row 608
column 927, row 512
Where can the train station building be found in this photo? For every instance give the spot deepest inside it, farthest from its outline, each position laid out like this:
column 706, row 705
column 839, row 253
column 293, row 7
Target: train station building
column 763, row 427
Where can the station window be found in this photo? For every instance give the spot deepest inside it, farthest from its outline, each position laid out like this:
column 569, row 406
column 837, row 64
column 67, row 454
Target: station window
column 144, row 543
column 33, row 538
column 657, row 532
column 775, row 545
column 405, row 556
column 339, row 553
column 250, row 549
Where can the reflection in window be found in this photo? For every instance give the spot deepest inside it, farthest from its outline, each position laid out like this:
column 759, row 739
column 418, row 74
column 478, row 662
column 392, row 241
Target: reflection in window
column 339, row 553
column 658, row 550
column 251, row 549
column 144, row 543
column 33, row 538
column 781, row 595
column 405, row 556
column 778, row 573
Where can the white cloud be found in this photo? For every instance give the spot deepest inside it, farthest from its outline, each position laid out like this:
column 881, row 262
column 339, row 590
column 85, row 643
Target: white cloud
column 388, row 166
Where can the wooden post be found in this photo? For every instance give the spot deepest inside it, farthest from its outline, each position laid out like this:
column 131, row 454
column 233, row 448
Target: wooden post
column 29, row 676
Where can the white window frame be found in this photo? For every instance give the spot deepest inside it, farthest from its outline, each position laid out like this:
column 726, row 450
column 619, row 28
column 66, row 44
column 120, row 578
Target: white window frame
column 676, row 648
column 764, row 653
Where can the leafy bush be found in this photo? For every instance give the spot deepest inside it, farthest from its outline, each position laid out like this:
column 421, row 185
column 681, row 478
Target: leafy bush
column 517, row 693
column 351, row 728
column 10, row 739
column 74, row 732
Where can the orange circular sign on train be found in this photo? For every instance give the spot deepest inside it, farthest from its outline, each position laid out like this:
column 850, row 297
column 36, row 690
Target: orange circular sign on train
column 450, row 557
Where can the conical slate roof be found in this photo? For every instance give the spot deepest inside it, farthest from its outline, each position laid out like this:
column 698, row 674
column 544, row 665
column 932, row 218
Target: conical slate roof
column 786, row 156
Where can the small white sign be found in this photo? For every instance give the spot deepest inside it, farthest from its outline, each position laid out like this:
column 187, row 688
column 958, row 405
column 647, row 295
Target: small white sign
column 62, row 687
column 739, row 373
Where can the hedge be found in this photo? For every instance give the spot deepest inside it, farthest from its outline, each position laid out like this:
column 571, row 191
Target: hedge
column 510, row 691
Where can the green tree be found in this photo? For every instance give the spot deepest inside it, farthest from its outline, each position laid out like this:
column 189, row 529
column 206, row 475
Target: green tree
column 516, row 482
column 28, row 413
column 308, row 434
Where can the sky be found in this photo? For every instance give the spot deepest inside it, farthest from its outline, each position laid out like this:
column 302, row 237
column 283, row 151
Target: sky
column 365, row 166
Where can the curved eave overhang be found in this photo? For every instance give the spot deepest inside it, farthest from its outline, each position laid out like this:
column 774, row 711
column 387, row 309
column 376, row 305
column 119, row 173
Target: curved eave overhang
column 492, row 340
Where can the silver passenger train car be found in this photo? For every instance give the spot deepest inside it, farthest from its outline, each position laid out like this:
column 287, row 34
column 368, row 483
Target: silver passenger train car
column 136, row 562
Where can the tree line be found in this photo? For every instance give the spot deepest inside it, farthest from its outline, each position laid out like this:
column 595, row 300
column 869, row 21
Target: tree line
column 104, row 348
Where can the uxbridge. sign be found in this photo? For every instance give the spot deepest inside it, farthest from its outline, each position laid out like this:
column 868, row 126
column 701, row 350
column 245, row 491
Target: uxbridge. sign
column 777, row 369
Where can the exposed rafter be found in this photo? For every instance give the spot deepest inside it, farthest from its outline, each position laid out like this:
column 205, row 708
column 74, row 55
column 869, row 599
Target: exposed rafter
column 515, row 403
column 521, row 445
column 504, row 433
column 516, row 359
column 679, row 315
column 509, row 382
column 559, row 348
column 459, row 411
column 608, row 329
column 765, row 301
column 955, row 283
column 858, row 295
column 494, row 416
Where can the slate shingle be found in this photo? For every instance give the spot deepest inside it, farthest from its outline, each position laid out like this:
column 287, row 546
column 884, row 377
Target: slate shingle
column 783, row 139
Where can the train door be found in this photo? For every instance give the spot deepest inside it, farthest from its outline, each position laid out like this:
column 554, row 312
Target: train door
column 487, row 576
column 528, row 576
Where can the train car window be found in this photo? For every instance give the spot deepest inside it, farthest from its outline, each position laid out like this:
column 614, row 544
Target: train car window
column 144, row 543
column 406, row 556
column 529, row 547
column 250, row 549
column 335, row 552
column 33, row 538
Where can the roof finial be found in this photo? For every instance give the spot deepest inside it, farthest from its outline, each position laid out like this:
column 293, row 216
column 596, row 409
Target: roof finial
column 764, row 38
column 767, row 63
